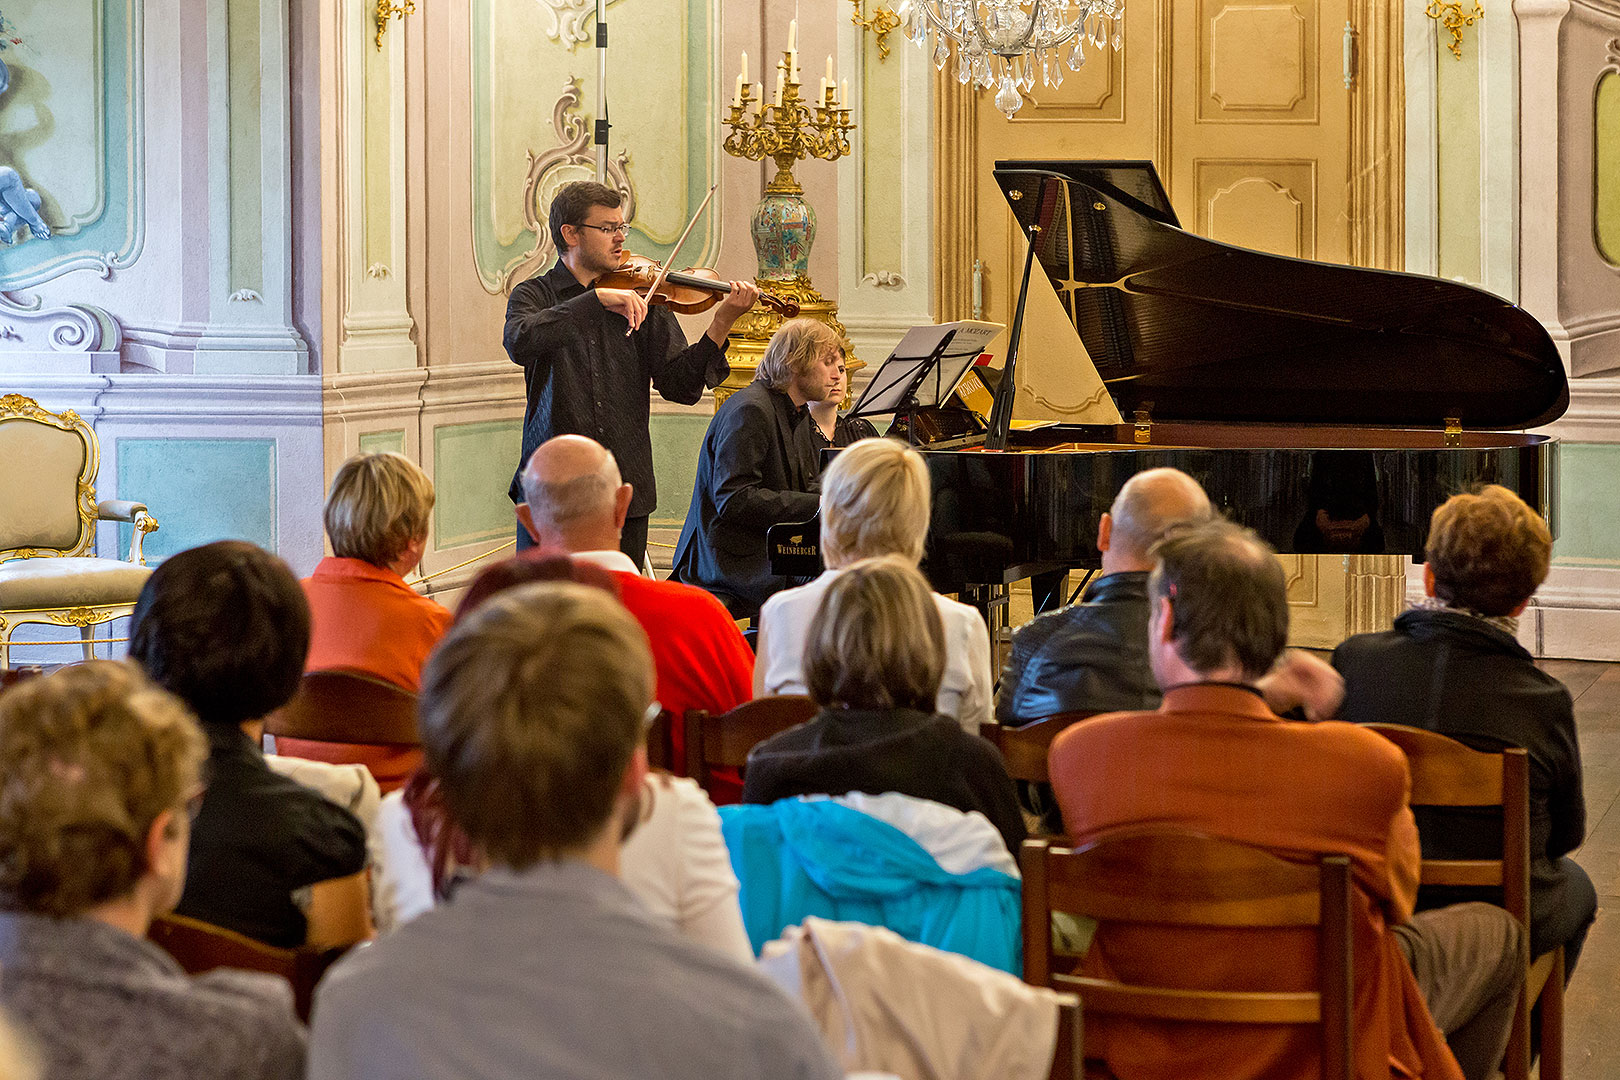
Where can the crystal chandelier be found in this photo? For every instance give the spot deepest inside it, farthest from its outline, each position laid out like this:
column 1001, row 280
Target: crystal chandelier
column 1000, row 42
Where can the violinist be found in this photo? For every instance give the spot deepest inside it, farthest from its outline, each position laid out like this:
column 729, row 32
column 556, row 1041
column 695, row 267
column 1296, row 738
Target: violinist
column 588, row 355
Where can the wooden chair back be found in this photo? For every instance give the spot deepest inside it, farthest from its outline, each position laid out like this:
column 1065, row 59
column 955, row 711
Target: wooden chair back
column 347, row 707
column 1448, row 773
column 724, row 740
column 661, row 742
column 1068, row 1062
column 1175, row 878
column 198, row 947
column 1025, row 748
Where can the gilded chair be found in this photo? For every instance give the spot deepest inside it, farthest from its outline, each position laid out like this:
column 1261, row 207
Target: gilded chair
column 48, row 515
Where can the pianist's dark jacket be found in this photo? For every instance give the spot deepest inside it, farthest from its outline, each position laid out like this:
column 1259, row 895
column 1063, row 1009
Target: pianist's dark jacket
column 758, row 468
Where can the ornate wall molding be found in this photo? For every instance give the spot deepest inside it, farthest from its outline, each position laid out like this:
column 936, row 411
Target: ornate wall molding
column 29, row 325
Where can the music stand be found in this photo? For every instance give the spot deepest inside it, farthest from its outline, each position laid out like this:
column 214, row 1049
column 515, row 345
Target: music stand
column 923, row 370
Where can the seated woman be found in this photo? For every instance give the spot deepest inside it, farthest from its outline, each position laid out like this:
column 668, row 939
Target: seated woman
column 226, row 628
column 363, row 617
column 674, row 860
column 874, row 501
column 1454, row 665
column 873, row 662
column 98, row 767
column 832, row 428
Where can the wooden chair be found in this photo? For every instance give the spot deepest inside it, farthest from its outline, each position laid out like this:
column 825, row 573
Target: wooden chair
column 1176, row 878
column 661, row 742
column 1448, row 773
column 198, row 947
column 723, row 741
column 353, row 709
column 1068, row 1063
column 1025, row 748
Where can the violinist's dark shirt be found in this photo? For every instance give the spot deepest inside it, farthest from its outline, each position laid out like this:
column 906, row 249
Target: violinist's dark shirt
column 585, row 377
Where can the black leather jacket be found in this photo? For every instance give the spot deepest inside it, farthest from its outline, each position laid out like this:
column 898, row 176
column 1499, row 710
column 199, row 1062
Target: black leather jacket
column 1088, row 657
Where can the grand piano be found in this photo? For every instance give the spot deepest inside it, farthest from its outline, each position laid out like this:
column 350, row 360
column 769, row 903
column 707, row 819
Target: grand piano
column 1330, row 408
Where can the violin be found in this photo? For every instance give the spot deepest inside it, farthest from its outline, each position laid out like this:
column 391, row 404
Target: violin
column 689, row 291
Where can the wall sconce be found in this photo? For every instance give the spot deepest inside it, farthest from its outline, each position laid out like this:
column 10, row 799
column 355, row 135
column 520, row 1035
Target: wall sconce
column 1450, row 14
column 882, row 21
column 386, row 11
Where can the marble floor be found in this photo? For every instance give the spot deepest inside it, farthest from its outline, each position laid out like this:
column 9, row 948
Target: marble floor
column 1592, row 1011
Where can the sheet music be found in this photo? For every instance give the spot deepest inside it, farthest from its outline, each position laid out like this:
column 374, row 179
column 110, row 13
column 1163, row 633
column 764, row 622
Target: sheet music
column 897, row 376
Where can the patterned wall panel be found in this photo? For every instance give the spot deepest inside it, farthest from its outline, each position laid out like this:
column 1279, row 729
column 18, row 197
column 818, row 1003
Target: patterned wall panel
column 1235, row 88
column 1606, row 171
column 70, row 125
column 472, row 468
column 1265, row 205
column 379, row 442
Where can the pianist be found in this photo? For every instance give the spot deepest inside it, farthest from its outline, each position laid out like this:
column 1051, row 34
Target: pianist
column 758, row 468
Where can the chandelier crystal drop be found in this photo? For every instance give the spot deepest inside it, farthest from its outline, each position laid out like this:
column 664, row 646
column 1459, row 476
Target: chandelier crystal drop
column 1000, row 43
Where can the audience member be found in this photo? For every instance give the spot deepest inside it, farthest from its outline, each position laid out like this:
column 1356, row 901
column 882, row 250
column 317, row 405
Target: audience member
column 226, row 628
column 1454, row 665
column 532, row 718
column 758, row 468
column 97, row 768
column 874, row 501
column 873, row 662
column 674, row 859
column 1214, row 758
column 575, row 502
column 1092, row 656
column 363, row 617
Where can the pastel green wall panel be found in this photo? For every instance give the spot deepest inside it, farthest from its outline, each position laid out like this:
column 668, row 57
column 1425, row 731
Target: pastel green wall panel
column 1459, row 163
column 472, row 470
column 1607, row 165
column 1589, row 504
column 200, row 490
column 382, row 442
column 676, row 442
column 247, row 205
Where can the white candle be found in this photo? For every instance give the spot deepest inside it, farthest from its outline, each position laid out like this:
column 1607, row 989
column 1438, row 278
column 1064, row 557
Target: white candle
column 843, row 94
column 778, row 92
column 759, row 97
column 821, row 92
column 831, row 81
column 745, row 67
column 736, row 97
column 793, row 35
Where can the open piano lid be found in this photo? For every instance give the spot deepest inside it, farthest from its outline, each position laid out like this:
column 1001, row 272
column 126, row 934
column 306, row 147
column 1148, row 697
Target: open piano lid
column 1192, row 329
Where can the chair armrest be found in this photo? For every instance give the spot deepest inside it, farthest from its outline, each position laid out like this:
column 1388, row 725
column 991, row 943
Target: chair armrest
column 135, row 513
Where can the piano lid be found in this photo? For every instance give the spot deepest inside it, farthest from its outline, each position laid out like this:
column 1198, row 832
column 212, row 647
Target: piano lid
column 1193, row 329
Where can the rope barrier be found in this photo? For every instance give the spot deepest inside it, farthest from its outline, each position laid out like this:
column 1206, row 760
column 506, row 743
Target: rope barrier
column 451, row 569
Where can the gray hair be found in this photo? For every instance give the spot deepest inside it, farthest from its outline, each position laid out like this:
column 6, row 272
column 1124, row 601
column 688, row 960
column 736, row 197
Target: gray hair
column 558, row 506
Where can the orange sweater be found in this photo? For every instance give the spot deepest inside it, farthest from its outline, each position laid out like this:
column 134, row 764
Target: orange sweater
column 1215, row 759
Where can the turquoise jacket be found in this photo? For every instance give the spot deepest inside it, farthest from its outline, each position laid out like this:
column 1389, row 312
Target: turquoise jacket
column 800, row 857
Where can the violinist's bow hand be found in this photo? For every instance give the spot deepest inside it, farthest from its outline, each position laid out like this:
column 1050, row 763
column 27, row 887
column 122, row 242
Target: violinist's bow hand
column 626, row 303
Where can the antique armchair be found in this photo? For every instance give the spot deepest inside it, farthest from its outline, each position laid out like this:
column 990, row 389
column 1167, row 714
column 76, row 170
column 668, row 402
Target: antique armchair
column 48, row 515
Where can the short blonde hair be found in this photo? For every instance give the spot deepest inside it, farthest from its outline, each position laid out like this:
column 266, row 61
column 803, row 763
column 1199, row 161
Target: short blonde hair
column 1489, row 551
column 377, row 507
column 877, row 641
column 531, row 709
column 793, row 350
column 874, row 501
column 89, row 758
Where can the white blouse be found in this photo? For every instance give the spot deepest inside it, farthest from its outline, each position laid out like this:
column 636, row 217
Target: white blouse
column 784, row 629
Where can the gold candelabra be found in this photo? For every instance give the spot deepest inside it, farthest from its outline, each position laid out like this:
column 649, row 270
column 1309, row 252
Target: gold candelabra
column 787, row 129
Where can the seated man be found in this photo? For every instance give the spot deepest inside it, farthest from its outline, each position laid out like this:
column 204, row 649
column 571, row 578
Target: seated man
column 545, row 964
column 1453, row 665
column 1214, row 758
column 874, row 502
column 758, row 468
column 226, row 628
column 576, row 502
column 1092, row 656
column 98, row 767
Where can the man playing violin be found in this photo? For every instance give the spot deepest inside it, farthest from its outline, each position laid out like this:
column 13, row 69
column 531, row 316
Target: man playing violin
column 588, row 355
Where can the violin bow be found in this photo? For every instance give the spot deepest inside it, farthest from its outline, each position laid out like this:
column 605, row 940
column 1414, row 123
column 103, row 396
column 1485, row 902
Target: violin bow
column 669, row 260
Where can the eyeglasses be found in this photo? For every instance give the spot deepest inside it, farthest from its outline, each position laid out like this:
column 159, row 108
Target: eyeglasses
column 611, row 230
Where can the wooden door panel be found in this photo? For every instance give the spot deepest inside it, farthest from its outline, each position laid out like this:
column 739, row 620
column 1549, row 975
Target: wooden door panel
column 1264, row 205
column 1257, row 62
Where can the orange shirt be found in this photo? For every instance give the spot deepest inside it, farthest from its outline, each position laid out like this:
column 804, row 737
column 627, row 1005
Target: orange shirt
column 1215, row 759
column 365, row 618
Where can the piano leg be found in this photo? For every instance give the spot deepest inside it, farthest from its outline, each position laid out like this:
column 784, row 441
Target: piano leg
column 993, row 606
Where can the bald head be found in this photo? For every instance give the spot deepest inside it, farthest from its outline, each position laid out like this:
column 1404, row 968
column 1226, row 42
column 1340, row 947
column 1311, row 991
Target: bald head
column 575, row 498
column 1149, row 505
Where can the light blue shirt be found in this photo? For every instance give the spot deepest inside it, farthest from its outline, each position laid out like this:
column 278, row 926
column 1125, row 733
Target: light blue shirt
column 554, row 972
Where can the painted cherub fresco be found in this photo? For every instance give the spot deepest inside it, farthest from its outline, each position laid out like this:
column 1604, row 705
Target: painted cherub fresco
column 19, row 203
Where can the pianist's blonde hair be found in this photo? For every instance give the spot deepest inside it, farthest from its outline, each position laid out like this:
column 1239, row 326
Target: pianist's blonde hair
column 377, row 506
column 793, row 349
column 874, row 501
